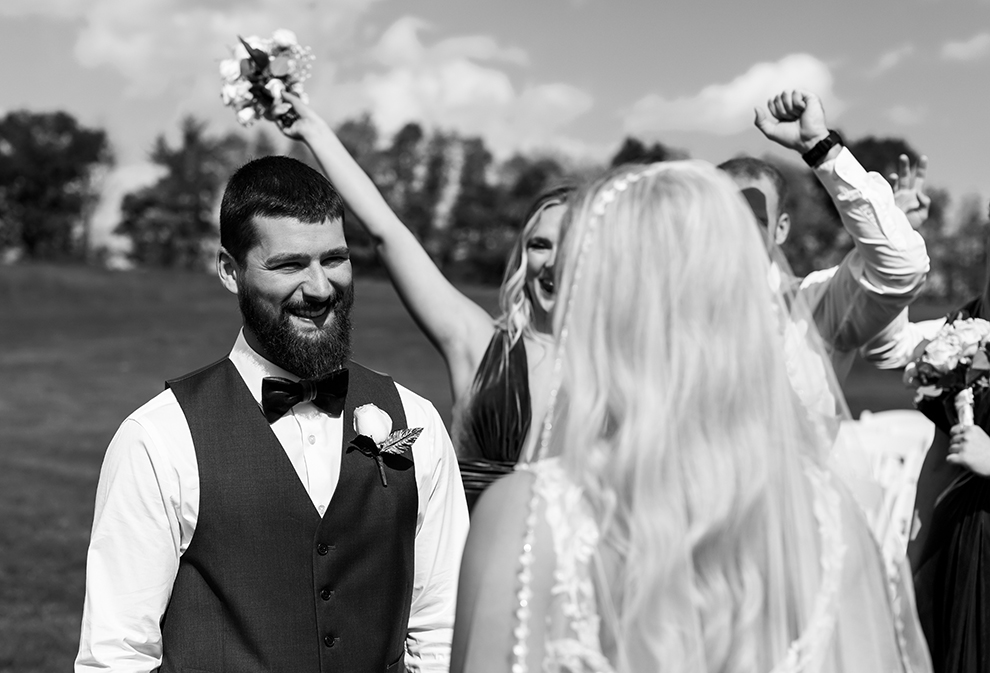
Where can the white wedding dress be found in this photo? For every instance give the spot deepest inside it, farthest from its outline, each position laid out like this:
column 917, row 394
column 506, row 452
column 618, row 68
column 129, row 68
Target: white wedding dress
column 862, row 618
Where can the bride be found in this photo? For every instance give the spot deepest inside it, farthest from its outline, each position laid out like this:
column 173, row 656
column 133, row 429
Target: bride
column 682, row 517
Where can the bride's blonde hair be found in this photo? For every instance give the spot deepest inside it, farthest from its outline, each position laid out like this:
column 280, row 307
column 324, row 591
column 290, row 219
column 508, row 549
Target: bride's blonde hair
column 676, row 416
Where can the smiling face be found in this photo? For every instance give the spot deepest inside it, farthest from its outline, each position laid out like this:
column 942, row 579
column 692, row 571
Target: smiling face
column 541, row 253
column 295, row 292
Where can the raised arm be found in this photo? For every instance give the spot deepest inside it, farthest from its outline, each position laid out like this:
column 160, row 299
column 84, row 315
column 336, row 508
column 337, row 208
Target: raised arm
column 457, row 326
column 853, row 302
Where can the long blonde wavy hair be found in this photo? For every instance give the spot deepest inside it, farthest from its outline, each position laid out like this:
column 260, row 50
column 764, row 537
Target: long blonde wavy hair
column 515, row 303
column 676, row 416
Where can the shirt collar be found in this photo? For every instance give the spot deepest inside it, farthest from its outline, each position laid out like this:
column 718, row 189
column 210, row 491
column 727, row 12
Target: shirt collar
column 253, row 367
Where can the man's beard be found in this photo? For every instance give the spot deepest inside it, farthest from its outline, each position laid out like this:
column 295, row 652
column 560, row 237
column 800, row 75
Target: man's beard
column 308, row 356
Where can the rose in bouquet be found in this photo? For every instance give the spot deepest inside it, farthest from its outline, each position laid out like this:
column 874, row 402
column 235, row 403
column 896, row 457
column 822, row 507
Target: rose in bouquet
column 259, row 71
column 954, row 363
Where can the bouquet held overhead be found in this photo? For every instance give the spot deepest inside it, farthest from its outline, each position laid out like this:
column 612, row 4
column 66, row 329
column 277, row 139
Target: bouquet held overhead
column 259, row 71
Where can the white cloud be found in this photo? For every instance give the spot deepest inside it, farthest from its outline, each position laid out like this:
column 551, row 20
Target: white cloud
column 167, row 51
column 725, row 109
column 456, row 84
column 400, row 45
column 156, row 44
column 904, row 115
column 974, row 48
column 890, row 60
column 56, row 9
column 119, row 182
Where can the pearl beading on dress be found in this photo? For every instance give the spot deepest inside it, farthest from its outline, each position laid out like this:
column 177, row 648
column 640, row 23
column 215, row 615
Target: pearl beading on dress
column 525, row 593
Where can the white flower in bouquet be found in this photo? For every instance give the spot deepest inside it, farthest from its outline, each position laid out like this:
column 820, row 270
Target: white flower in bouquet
column 972, row 333
column 944, row 352
column 237, row 94
column 246, row 115
column 275, row 87
column 230, row 69
column 258, row 43
column 284, row 37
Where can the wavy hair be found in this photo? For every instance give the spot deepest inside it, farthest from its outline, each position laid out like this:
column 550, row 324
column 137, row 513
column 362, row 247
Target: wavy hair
column 513, row 298
column 676, row 415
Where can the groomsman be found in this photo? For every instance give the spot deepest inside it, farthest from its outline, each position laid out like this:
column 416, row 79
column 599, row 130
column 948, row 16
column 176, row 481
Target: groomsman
column 852, row 302
column 283, row 509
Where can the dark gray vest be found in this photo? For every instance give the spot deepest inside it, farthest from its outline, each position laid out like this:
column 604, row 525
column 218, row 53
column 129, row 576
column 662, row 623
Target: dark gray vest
column 267, row 584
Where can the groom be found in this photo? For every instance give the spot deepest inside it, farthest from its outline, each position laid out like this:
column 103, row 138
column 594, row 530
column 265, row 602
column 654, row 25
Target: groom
column 241, row 523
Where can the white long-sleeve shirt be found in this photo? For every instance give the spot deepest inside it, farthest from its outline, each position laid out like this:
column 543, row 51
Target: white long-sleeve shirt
column 147, row 504
column 853, row 302
column 898, row 343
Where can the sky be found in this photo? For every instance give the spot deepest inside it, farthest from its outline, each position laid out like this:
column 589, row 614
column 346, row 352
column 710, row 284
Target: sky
column 567, row 77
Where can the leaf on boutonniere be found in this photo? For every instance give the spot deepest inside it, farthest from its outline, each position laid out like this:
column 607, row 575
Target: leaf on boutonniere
column 400, row 440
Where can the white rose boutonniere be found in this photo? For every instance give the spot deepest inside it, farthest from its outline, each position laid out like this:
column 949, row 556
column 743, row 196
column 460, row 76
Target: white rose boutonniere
column 376, row 439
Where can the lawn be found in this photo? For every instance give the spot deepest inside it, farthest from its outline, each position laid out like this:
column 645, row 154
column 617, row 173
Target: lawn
column 81, row 348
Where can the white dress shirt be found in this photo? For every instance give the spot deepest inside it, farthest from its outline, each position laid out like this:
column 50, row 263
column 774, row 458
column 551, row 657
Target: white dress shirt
column 147, row 504
column 853, row 302
column 899, row 342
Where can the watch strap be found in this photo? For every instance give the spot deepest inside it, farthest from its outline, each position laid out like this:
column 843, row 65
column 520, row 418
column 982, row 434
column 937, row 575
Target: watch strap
column 814, row 156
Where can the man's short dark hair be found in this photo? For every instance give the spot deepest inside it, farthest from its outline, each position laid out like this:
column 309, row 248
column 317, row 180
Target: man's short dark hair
column 754, row 169
column 273, row 186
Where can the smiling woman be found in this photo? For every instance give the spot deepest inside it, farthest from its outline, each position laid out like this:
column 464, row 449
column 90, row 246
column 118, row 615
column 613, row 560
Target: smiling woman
column 500, row 367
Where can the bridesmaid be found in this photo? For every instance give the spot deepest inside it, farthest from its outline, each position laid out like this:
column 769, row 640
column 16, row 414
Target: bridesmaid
column 499, row 367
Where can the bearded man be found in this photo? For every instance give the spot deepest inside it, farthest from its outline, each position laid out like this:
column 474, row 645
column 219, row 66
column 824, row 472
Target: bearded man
column 243, row 523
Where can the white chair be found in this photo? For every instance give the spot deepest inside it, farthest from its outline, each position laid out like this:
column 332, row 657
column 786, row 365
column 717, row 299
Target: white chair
column 895, row 443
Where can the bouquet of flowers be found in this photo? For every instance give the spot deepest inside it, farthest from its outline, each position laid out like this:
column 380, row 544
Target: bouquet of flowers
column 259, row 71
column 955, row 362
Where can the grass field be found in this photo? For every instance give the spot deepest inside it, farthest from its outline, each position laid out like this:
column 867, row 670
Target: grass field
column 81, row 348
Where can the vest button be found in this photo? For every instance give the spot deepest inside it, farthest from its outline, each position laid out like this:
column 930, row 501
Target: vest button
column 329, row 641
column 326, row 594
column 322, row 549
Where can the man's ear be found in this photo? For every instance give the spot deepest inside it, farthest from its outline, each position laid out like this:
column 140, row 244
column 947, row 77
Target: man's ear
column 782, row 229
column 228, row 269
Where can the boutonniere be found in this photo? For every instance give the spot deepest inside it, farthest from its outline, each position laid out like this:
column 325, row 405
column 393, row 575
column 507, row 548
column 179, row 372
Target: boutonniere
column 376, row 439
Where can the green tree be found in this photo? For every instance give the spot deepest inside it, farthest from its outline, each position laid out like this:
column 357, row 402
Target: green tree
column 49, row 172
column 881, row 154
column 634, row 151
column 171, row 222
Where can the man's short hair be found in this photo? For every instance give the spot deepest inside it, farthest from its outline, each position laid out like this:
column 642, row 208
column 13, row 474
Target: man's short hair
column 754, row 169
column 273, row 186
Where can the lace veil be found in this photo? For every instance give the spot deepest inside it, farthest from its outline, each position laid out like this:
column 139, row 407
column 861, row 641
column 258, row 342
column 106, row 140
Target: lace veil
column 724, row 539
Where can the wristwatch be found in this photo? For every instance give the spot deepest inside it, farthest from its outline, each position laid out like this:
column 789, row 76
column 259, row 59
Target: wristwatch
column 814, row 156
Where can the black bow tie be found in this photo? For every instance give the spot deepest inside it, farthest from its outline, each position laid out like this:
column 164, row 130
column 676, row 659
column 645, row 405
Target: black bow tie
column 278, row 395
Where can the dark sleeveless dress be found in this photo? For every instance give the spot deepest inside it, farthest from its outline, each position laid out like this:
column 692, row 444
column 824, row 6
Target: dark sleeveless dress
column 950, row 556
column 495, row 423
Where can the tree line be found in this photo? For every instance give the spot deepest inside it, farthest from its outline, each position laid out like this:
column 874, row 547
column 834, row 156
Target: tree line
column 463, row 205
